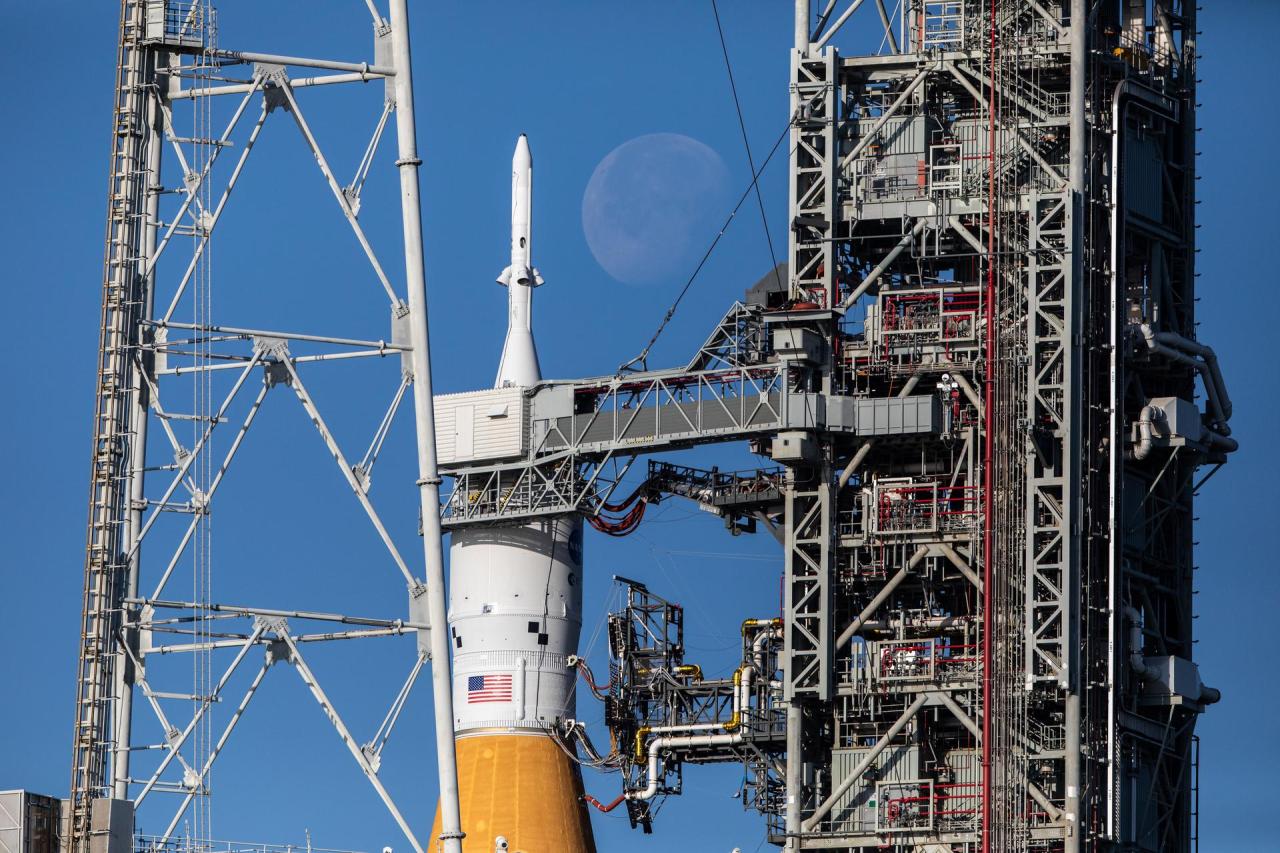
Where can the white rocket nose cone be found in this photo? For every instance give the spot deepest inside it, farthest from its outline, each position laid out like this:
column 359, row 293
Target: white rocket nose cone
column 522, row 159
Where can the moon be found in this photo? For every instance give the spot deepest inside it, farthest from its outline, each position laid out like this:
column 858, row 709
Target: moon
column 652, row 207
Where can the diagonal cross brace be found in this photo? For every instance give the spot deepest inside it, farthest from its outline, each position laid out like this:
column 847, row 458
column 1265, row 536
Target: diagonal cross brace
column 370, row 772
column 347, row 471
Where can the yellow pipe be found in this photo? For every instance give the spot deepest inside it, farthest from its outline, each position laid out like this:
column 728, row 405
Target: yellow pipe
column 748, row 624
column 736, row 719
column 695, row 670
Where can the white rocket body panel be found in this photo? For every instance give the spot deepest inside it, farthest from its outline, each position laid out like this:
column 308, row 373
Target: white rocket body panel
column 519, row 364
column 515, row 616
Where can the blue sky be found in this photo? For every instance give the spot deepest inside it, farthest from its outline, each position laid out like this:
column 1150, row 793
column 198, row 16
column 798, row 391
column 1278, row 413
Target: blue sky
column 580, row 79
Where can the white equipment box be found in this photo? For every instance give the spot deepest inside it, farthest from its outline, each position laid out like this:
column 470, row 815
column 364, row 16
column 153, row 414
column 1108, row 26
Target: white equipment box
column 479, row 426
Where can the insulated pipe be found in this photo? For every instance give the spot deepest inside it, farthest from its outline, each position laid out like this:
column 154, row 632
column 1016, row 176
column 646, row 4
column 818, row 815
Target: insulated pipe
column 845, row 784
column 1137, row 662
column 658, row 744
column 742, row 679
column 794, row 775
column 883, row 595
column 123, row 713
column 933, row 623
column 1163, row 41
column 969, row 393
column 757, row 646
column 1146, row 420
column 1215, row 401
column 1227, row 445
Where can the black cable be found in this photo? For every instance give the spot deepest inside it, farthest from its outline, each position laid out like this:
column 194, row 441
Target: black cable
column 642, row 358
column 742, row 126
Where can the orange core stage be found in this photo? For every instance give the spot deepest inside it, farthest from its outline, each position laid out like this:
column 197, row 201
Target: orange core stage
column 524, row 788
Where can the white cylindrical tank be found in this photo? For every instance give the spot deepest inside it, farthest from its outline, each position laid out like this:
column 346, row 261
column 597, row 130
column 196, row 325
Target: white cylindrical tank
column 515, row 614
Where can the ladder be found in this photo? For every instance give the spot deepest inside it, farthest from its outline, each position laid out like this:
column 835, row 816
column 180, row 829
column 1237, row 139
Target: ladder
column 123, row 302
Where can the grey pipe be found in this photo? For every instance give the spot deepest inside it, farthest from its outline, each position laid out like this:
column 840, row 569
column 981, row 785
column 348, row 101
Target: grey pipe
column 1146, row 426
column 1137, row 662
column 874, row 275
column 1196, row 355
column 1210, row 360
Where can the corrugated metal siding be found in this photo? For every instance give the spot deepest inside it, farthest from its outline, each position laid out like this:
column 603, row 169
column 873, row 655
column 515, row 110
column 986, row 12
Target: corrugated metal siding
column 898, row 136
column 481, row 425
column 1143, row 178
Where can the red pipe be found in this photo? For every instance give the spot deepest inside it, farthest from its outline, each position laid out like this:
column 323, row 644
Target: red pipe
column 587, row 798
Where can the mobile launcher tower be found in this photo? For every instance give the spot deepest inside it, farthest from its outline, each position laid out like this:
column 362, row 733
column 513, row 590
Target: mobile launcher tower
column 978, row 375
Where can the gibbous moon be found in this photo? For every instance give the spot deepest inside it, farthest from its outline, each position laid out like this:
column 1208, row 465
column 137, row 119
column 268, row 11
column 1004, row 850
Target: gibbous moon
column 652, row 207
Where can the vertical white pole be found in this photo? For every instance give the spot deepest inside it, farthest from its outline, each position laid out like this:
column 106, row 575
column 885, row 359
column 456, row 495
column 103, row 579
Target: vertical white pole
column 428, row 476
column 1077, row 156
column 794, row 776
column 122, row 708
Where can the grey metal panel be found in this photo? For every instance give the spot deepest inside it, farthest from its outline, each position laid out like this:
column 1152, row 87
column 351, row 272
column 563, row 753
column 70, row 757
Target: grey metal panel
column 668, row 422
column 898, row 416
column 552, row 401
column 904, row 135
column 855, row 810
column 803, row 411
column 112, row 822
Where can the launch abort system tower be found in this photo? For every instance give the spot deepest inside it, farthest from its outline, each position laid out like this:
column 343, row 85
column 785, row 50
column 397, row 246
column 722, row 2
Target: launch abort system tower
column 978, row 373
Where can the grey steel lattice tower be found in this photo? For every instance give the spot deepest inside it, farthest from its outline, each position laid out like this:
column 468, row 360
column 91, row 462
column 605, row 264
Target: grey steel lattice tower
column 978, row 370
column 171, row 372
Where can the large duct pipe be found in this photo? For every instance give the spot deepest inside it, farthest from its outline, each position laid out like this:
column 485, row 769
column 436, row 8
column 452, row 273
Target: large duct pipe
column 1146, row 427
column 1137, row 662
column 1208, row 367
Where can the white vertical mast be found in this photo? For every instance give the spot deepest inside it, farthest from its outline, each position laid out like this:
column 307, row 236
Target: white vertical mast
column 428, row 475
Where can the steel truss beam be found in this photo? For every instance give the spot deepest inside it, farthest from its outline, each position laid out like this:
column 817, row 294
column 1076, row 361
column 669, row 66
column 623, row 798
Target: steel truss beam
column 147, row 351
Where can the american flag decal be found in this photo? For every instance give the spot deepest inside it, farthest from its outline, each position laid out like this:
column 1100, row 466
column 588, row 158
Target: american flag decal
column 488, row 688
